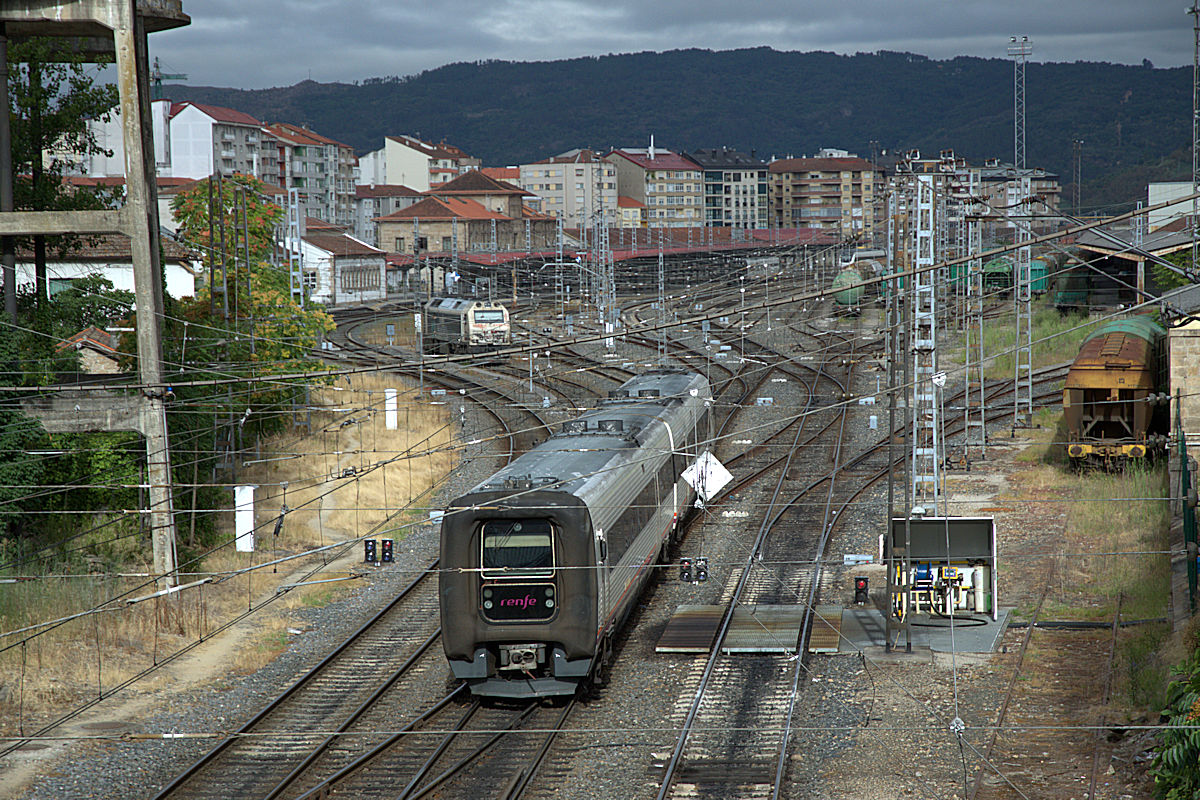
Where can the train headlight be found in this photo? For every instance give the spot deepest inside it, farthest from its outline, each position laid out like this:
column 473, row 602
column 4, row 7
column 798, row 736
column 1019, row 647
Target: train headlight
column 487, row 603
column 549, row 603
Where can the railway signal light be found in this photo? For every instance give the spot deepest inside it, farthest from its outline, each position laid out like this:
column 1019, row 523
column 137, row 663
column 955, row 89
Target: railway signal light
column 701, row 570
column 370, row 551
column 685, row 570
column 385, row 551
column 861, row 594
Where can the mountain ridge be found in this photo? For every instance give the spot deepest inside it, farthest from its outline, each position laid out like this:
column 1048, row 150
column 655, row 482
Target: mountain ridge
column 1131, row 118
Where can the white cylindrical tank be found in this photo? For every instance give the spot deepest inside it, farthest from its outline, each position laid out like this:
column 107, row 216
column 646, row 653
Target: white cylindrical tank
column 977, row 578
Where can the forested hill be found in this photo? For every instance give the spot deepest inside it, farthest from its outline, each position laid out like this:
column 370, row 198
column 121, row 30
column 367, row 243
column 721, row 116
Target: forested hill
column 1134, row 121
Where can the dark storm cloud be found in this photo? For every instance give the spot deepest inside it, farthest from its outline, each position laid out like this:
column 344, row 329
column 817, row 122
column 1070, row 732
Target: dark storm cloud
column 255, row 43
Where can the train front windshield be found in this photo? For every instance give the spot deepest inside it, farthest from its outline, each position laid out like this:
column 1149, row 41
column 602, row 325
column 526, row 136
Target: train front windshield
column 489, row 316
column 517, row 548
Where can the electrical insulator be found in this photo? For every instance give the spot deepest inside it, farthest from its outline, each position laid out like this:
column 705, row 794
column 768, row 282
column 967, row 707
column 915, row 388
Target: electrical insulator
column 685, row 570
column 385, row 551
column 370, row 551
column 861, row 594
column 701, row 570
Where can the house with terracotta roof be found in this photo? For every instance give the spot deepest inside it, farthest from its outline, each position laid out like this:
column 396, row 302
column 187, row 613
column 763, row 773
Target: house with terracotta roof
column 205, row 138
column 632, row 212
column 462, row 215
column 577, row 186
column 379, row 200
column 412, row 162
column 340, row 270
column 669, row 184
column 835, row 191
column 109, row 255
column 97, row 351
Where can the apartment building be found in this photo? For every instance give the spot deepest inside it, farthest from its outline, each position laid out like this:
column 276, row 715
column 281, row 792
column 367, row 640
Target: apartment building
column 205, row 139
column 834, row 191
column 578, row 186
column 319, row 168
column 409, row 161
column 371, row 202
column 735, row 188
column 669, row 184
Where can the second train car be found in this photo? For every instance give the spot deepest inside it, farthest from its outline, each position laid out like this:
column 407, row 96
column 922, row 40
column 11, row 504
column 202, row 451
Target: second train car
column 542, row 563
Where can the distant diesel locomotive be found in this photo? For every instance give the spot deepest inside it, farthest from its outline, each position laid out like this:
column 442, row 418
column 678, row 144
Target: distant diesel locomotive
column 542, row 562
column 1114, row 399
column 460, row 325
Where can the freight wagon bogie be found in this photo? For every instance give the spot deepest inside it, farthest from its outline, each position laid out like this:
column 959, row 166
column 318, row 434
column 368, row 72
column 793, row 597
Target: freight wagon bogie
column 543, row 562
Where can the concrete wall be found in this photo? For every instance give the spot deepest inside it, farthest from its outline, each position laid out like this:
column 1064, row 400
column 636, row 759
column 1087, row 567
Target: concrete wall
column 1184, row 363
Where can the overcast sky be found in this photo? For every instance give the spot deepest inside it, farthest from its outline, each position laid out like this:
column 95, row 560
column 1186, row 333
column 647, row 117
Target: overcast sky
column 261, row 43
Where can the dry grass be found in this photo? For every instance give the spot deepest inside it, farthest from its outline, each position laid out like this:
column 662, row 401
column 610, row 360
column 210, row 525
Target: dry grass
column 384, row 470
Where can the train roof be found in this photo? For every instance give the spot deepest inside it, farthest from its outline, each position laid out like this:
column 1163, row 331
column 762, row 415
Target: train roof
column 588, row 447
column 455, row 304
column 1141, row 326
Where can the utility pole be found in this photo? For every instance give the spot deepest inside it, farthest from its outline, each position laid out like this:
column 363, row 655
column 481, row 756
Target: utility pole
column 90, row 25
column 1077, row 155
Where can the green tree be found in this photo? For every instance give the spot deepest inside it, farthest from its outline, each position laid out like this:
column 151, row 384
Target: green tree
column 52, row 96
column 267, row 333
column 1176, row 767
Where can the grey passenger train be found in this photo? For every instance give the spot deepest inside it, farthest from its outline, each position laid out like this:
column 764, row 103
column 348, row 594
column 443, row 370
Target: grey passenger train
column 542, row 562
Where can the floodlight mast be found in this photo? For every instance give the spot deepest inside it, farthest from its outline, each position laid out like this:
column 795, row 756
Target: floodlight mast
column 1194, row 11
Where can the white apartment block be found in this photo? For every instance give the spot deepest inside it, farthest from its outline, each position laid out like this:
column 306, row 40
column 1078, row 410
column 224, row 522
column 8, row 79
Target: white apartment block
column 409, row 161
column 577, row 186
column 205, row 139
column 110, row 137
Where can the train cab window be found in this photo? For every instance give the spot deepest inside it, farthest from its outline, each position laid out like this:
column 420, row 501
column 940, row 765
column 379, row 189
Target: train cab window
column 489, row 315
column 517, row 548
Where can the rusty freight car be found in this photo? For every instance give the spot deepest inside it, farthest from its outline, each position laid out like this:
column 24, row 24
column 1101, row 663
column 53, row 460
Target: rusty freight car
column 1114, row 397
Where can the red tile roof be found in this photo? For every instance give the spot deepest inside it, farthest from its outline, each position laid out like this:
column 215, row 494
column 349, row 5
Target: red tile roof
column 440, row 150
column 629, row 202
column 299, row 130
column 476, row 182
column 442, row 208
column 107, row 247
column 663, row 159
column 385, row 190
column 340, row 244
column 93, row 337
column 219, row 113
column 502, row 173
column 821, row 165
